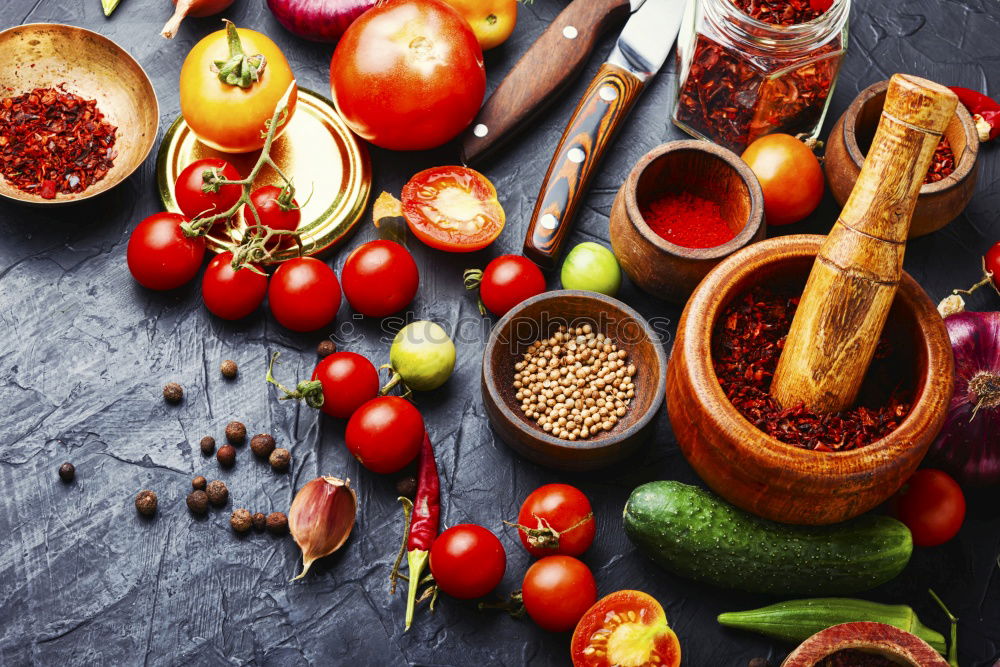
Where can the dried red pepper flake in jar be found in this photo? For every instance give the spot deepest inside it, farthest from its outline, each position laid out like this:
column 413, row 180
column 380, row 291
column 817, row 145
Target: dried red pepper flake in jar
column 685, row 219
column 783, row 12
column 53, row 141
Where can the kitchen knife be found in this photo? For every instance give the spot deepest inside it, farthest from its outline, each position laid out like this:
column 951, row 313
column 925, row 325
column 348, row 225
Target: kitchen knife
column 638, row 55
column 546, row 69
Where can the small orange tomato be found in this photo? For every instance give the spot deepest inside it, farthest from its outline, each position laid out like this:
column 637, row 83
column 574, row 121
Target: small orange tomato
column 230, row 116
column 492, row 20
column 789, row 175
column 625, row 628
column 453, row 209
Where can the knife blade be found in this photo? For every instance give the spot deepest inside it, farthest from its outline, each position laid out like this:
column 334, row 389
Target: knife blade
column 553, row 62
column 638, row 55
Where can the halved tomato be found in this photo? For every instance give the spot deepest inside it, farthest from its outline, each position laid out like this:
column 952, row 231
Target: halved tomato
column 453, row 209
column 626, row 628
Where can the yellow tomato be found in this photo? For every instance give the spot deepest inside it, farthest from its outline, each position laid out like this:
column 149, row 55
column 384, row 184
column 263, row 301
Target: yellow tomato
column 226, row 116
column 491, row 20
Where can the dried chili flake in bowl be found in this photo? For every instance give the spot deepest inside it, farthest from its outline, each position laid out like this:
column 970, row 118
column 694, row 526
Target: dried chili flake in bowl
column 54, row 142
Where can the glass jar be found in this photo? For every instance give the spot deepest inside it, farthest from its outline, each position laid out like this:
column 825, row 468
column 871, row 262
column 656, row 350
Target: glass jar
column 740, row 78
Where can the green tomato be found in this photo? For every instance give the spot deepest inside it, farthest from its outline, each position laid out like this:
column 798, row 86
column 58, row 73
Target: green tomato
column 591, row 266
column 422, row 356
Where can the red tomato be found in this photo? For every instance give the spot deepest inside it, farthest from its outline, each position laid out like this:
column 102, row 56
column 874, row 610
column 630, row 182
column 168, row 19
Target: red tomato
column 408, row 74
column 467, row 561
column 453, row 209
column 385, row 434
column 789, row 175
column 276, row 210
column 507, row 281
column 191, row 196
column 625, row 628
column 349, row 381
column 304, row 294
column 160, row 256
column 561, row 521
column 557, row 591
column 380, row 278
column 932, row 506
column 229, row 294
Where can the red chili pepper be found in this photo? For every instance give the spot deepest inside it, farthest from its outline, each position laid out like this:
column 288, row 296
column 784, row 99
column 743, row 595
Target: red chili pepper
column 424, row 523
column 985, row 111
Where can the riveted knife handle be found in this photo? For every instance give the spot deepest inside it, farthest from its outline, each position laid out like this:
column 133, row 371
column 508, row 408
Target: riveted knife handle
column 545, row 70
column 605, row 105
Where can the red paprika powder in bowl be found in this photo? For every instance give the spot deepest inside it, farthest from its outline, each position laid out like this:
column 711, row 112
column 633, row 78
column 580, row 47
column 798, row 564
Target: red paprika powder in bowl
column 685, row 206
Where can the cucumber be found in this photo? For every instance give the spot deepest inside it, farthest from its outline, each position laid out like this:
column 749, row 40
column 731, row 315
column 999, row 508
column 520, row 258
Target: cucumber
column 691, row 532
column 797, row 620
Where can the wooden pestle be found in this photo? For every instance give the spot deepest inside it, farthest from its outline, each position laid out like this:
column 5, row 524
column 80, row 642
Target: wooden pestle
column 854, row 278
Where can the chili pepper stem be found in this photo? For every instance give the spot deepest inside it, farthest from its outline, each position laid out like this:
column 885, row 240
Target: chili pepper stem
column 394, row 574
column 953, row 644
column 415, row 562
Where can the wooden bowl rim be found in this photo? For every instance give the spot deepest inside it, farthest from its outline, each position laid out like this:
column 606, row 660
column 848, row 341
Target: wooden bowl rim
column 712, row 293
column 964, row 163
column 539, row 438
column 733, row 161
column 125, row 174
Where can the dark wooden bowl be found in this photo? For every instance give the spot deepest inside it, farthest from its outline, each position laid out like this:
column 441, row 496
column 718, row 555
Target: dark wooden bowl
column 938, row 203
column 768, row 477
column 539, row 317
column 875, row 638
column 670, row 271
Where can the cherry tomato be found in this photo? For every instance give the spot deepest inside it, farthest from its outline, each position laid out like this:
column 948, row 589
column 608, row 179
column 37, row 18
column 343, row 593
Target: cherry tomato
column 191, row 196
column 932, row 506
column 380, row 278
column 453, row 208
column 160, row 256
column 789, row 175
column 491, row 20
column 227, row 117
column 229, row 294
column 557, row 591
column 561, row 521
column 276, row 210
column 304, row 294
column 507, row 281
column 349, row 381
column 467, row 561
column 385, row 434
column 408, row 74
column 625, row 628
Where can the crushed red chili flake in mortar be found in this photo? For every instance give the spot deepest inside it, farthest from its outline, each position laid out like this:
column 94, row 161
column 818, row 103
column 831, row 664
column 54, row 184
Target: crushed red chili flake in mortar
column 745, row 350
column 52, row 141
column 943, row 162
column 687, row 220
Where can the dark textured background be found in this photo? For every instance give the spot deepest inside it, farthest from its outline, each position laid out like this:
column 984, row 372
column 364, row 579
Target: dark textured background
column 84, row 352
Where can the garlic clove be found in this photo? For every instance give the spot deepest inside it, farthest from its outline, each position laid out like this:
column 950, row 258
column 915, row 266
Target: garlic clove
column 321, row 518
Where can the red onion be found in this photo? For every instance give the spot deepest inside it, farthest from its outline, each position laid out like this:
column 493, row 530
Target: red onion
column 968, row 446
column 318, row 20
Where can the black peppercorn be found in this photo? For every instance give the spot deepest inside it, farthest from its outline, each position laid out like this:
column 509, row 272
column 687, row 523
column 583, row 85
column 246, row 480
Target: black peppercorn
column 226, row 456
column 197, row 502
column 67, row 472
column 199, row 483
column 280, row 458
column 259, row 521
column 217, row 492
column 262, row 444
column 145, row 502
column 173, row 392
column 326, row 348
column 207, row 445
column 229, row 369
column 241, row 520
column 236, row 433
column 407, row 487
column 277, row 523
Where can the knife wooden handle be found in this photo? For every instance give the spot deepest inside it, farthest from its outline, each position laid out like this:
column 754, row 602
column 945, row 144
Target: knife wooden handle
column 546, row 69
column 605, row 105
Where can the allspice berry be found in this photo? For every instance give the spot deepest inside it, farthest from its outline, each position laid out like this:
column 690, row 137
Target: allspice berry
column 277, row 523
column 67, row 472
column 259, row 521
column 197, row 502
column 241, row 521
column 236, row 433
column 407, row 487
column 207, row 445
column 262, row 444
column 173, row 392
column 326, row 348
column 199, row 483
column 229, row 369
column 280, row 458
column 217, row 492
column 226, row 456
column 145, row 502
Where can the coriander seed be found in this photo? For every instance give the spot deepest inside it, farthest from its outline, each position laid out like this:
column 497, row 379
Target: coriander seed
column 241, row 521
column 67, row 472
column 326, row 348
column 277, row 523
column 173, row 392
column 236, row 433
column 262, row 445
column 199, row 483
column 145, row 502
column 197, row 502
column 280, row 459
column 207, row 445
column 217, row 492
column 226, row 456
column 229, row 369
column 259, row 521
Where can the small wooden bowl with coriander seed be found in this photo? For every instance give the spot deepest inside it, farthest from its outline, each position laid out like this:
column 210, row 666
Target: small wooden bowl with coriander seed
column 608, row 322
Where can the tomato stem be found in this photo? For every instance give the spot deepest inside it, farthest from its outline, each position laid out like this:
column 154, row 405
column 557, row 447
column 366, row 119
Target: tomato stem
column 396, row 379
column 513, row 605
column 239, row 69
column 987, row 279
column 473, row 278
column 309, row 390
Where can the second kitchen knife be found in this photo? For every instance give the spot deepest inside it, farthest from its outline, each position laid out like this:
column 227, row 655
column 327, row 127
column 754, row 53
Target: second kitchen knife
column 638, row 55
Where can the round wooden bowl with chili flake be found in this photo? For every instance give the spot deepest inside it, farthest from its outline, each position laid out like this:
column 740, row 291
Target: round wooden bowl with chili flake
column 700, row 168
column 939, row 202
column 540, row 317
column 81, row 63
column 770, row 478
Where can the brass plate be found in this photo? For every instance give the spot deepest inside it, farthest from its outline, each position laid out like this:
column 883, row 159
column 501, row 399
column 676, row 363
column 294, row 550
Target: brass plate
column 317, row 151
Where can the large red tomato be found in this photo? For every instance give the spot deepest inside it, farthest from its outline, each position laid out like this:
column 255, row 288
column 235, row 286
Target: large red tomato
column 408, row 74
